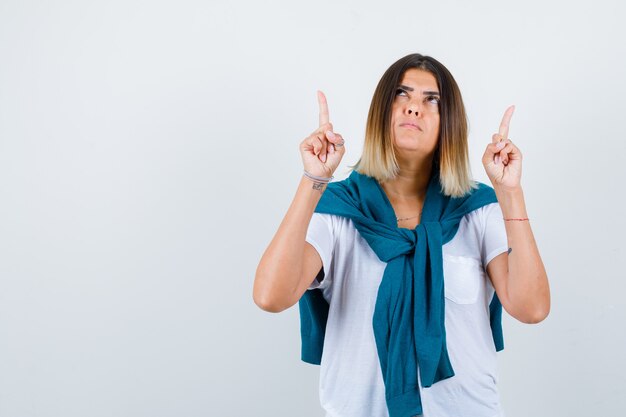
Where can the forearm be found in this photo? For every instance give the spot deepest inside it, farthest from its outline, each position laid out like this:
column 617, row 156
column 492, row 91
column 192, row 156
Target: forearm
column 527, row 284
column 280, row 269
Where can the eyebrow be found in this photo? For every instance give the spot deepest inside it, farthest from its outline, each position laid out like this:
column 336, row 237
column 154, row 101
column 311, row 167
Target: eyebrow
column 426, row 93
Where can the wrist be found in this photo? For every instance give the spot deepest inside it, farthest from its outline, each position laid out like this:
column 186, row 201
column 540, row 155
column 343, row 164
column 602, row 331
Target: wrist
column 509, row 191
column 313, row 186
column 318, row 183
column 512, row 202
column 316, row 178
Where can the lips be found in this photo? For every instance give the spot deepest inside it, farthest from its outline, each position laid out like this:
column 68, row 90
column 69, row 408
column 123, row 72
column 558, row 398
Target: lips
column 411, row 126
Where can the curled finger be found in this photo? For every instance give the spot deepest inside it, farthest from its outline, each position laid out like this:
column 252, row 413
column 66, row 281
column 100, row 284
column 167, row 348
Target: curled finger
column 337, row 139
column 323, row 150
column 503, row 157
column 496, row 137
column 497, row 147
column 323, row 129
column 315, row 143
column 505, row 153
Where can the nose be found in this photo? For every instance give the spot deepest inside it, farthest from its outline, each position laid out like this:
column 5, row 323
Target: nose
column 413, row 108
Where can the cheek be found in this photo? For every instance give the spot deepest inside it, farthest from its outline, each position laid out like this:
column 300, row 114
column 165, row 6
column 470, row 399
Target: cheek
column 394, row 115
column 435, row 125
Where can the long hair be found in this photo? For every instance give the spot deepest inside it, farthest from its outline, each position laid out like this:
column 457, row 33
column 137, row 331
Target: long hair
column 378, row 159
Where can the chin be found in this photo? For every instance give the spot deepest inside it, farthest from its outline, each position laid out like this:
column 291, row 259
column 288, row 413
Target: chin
column 412, row 152
column 407, row 145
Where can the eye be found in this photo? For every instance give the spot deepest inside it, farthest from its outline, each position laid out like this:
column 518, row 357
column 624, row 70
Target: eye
column 401, row 92
column 433, row 99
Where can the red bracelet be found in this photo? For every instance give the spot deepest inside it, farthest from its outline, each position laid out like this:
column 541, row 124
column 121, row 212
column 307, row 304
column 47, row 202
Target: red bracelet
column 515, row 220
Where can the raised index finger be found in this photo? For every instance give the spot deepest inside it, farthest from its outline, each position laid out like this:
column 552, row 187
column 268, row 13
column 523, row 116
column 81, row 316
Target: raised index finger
column 506, row 120
column 321, row 99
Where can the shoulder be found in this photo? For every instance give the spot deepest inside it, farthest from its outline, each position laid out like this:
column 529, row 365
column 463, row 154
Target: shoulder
column 332, row 222
column 459, row 207
column 477, row 221
column 483, row 212
column 479, row 218
column 481, row 234
column 482, row 191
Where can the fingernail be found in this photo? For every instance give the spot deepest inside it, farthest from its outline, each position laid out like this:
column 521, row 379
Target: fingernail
column 500, row 145
column 497, row 159
column 323, row 157
column 331, row 148
column 330, row 135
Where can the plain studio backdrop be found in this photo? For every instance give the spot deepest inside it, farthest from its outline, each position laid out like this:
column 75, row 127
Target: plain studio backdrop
column 149, row 150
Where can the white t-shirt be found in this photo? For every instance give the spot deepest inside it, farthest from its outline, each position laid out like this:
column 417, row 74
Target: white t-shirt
column 351, row 383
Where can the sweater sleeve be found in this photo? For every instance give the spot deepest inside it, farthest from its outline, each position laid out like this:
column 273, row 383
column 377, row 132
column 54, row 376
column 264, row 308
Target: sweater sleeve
column 320, row 235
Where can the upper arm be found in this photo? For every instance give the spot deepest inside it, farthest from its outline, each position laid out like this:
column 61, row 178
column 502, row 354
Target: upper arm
column 498, row 271
column 494, row 251
column 311, row 268
column 318, row 250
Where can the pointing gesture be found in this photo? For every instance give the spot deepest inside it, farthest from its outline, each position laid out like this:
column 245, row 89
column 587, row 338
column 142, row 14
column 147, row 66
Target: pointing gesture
column 323, row 149
column 506, row 121
column 502, row 159
column 321, row 99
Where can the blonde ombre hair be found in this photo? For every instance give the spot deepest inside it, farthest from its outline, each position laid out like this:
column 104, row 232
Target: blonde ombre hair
column 378, row 159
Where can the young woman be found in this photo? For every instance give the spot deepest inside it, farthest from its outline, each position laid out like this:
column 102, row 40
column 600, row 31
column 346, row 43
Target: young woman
column 401, row 271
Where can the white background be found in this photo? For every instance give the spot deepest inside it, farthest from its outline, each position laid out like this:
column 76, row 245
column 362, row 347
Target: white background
column 149, row 149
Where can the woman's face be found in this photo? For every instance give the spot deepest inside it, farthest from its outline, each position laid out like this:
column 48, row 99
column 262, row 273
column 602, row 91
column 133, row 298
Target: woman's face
column 415, row 114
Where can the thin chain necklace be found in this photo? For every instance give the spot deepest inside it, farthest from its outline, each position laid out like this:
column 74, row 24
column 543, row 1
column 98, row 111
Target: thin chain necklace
column 399, row 219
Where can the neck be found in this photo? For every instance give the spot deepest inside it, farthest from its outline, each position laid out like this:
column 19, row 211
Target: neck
column 411, row 182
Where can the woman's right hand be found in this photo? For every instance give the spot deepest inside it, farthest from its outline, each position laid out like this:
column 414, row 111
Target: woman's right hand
column 323, row 149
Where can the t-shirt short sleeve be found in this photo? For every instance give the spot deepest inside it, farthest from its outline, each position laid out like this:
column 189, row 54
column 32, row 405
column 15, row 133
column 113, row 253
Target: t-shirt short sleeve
column 494, row 238
column 320, row 236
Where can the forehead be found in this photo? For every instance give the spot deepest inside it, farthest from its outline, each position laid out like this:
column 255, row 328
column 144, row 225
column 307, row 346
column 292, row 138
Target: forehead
column 418, row 78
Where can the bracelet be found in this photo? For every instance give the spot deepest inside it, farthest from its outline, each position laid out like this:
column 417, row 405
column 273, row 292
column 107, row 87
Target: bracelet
column 516, row 220
column 318, row 179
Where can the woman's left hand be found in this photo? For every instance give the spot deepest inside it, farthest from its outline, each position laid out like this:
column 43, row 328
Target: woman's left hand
column 502, row 159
